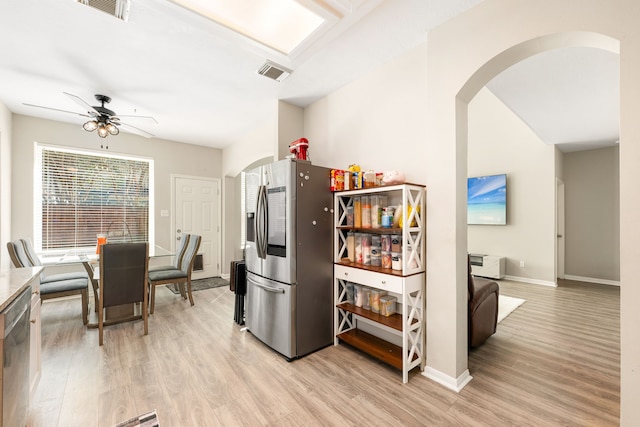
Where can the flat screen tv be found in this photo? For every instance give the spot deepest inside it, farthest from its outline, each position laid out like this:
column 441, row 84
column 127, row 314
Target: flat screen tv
column 487, row 200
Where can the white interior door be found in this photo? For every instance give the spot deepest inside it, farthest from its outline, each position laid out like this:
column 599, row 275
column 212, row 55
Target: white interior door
column 197, row 211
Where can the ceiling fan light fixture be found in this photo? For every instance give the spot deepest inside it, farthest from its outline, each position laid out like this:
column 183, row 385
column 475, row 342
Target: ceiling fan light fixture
column 101, row 118
column 102, row 130
column 90, row 126
column 113, row 129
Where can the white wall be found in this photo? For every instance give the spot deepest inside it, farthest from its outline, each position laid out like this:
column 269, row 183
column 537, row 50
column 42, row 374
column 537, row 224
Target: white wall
column 169, row 158
column 259, row 144
column 269, row 142
column 5, row 184
column 231, row 223
column 411, row 114
column 255, row 145
column 500, row 142
column 290, row 128
column 377, row 121
column 464, row 54
column 592, row 206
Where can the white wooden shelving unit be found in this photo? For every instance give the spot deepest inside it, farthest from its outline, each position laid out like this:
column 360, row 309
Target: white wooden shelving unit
column 397, row 340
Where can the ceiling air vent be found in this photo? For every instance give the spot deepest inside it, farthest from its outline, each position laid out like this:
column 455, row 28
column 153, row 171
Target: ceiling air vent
column 117, row 8
column 274, row 71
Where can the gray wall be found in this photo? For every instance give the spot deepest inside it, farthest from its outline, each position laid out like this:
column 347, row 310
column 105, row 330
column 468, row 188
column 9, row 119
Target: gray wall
column 592, row 205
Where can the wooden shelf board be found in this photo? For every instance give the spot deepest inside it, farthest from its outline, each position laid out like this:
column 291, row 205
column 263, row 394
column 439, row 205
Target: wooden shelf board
column 348, row 263
column 394, row 321
column 378, row 188
column 375, row 269
column 390, row 354
column 370, row 230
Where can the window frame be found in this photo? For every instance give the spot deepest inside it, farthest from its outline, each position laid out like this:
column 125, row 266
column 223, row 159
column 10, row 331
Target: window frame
column 37, row 192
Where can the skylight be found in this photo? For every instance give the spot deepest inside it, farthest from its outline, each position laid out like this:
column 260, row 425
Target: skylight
column 279, row 24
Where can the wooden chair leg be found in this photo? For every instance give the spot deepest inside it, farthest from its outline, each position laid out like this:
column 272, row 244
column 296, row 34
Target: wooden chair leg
column 96, row 292
column 100, row 325
column 145, row 314
column 153, row 298
column 85, row 306
column 189, row 292
column 94, row 283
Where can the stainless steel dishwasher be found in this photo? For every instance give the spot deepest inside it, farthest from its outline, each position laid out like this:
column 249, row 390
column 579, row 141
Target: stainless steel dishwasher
column 14, row 347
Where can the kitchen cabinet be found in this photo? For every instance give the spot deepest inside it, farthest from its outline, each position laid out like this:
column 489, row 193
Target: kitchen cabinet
column 19, row 346
column 397, row 339
column 35, row 337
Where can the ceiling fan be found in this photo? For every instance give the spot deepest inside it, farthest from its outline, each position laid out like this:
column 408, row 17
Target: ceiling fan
column 104, row 120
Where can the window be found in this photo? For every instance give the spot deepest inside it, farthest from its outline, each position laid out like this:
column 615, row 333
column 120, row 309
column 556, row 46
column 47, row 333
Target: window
column 81, row 194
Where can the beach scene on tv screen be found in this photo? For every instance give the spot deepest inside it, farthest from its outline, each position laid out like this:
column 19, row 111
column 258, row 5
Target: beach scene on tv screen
column 487, row 200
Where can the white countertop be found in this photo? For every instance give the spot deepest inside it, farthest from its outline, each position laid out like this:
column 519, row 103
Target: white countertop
column 15, row 280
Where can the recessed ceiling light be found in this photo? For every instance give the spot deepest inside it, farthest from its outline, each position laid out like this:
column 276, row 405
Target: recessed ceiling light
column 279, row 24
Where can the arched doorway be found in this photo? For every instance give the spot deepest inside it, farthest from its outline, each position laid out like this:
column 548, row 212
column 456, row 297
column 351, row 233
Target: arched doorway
column 461, row 61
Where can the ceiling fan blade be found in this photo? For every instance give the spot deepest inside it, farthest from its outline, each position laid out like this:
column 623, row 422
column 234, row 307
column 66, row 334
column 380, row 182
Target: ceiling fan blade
column 55, row 109
column 140, row 117
column 134, row 129
column 88, row 108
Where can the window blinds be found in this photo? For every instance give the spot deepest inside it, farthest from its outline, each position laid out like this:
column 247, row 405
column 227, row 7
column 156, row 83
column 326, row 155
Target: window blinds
column 82, row 195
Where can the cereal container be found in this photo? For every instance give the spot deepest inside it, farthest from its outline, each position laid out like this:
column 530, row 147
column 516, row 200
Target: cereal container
column 358, row 295
column 350, row 295
column 366, row 211
column 351, row 246
column 366, row 249
column 385, row 259
column 366, row 298
column 387, row 305
column 357, row 212
column 375, row 299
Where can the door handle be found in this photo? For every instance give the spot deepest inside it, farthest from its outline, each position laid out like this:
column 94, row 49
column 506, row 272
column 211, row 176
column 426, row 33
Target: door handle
column 270, row 289
column 261, row 223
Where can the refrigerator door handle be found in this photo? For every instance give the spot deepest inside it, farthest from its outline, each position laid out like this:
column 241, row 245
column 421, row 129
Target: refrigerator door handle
column 269, row 288
column 265, row 206
column 261, row 223
column 258, row 222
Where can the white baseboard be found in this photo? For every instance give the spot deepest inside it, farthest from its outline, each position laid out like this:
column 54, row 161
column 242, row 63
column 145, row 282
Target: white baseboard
column 530, row 280
column 592, row 280
column 455, row 384
column 225, row 276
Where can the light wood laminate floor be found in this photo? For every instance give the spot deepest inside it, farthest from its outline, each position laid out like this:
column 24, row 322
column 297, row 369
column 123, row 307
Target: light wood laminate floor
column 554, row 361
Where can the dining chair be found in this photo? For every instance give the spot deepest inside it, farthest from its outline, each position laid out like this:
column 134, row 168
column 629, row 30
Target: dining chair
column 59, row 285
column 123, row 280
column 179, row 276
column 177, row 260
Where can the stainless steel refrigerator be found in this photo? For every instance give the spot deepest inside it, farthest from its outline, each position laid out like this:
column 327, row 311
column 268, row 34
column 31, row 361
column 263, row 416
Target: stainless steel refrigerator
column 289, row 256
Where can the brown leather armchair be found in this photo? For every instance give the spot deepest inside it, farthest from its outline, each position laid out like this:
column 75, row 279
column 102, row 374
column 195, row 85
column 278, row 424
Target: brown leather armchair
column 483, row 308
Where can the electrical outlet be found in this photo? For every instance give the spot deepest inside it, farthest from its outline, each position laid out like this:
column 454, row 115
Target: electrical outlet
column 521, row 264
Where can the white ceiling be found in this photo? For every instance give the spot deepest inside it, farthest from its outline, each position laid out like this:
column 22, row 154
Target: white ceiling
column 199, row 80
column 569, row 97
